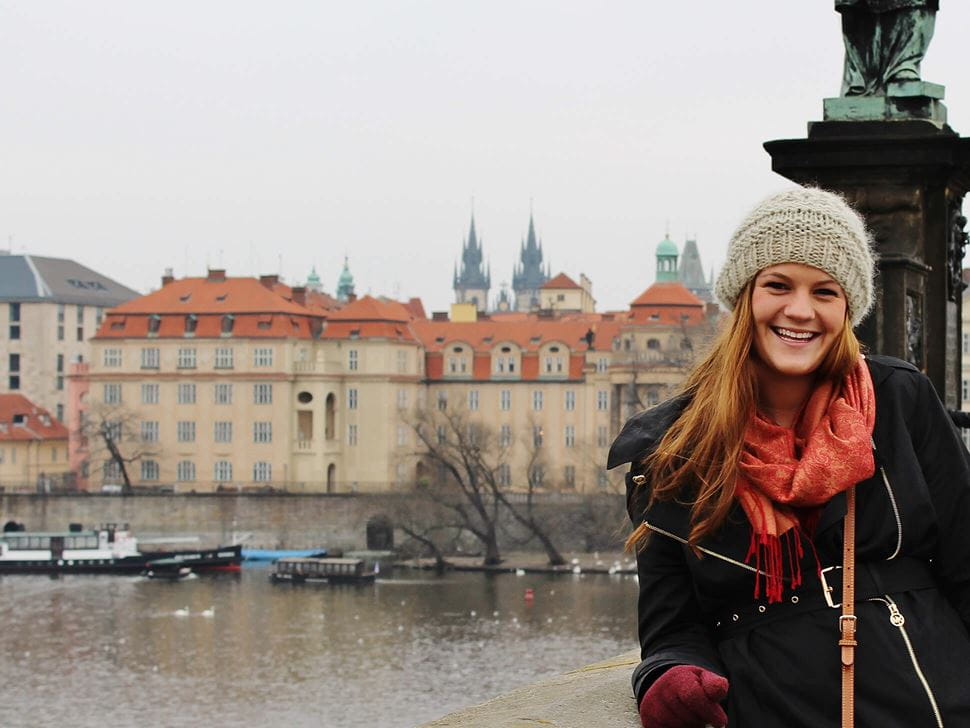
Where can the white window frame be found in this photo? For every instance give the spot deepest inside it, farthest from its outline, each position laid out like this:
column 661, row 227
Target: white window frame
column 222, row 393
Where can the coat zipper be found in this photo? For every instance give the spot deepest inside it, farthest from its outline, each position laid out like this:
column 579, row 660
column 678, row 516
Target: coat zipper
column 716, row 555
column 897, row 619
column 892, row 502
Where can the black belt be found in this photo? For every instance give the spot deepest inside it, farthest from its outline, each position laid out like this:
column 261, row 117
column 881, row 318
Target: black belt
column 873, row 579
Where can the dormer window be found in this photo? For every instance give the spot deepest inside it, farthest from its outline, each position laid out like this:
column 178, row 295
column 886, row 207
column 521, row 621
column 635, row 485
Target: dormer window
column 222, row 297
column 154, row 323
column 228, row 321
column 20, row 419
column 185, row 298
column 191, row 321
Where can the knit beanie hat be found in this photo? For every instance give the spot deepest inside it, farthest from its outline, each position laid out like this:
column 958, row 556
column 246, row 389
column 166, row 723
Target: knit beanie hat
column 802, row 225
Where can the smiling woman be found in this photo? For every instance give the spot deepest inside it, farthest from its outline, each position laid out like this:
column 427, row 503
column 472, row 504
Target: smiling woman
column 738, row 488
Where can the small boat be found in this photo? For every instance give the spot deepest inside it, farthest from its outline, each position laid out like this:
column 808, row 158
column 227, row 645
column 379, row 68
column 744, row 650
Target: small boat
column 168, row 570
column 108, row 549
column 323, row 570
column 276, row 554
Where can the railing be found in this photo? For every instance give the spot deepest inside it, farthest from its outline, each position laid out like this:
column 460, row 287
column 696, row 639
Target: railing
column 304, row 444
column 304, row 367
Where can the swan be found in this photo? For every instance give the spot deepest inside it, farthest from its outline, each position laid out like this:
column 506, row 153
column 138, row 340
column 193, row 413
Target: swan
column 210, row 612
column 183, row 612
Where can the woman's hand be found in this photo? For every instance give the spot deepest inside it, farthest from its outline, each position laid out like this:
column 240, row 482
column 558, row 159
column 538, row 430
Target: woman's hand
column 685, row 696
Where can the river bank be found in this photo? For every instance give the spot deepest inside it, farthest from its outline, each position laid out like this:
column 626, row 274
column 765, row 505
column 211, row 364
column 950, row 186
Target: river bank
column 535, row 562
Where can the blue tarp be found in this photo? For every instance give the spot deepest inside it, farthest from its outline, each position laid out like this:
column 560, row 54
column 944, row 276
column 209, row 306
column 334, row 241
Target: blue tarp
column 274, row 554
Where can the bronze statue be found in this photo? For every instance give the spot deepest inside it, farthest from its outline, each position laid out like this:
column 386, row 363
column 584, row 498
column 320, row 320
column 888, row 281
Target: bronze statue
column 885, row 41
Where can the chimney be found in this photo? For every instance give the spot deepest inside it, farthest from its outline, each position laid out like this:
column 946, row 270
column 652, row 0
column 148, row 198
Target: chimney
column 216, row 274
column 168, row 277
column 298, row 295
column 269, row 280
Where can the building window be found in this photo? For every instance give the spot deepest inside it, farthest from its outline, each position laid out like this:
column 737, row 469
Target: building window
column 225, row 327
column 441, row 436
column 60, row 412
column 473, row 399
column 602, row 400
column 149, row 358
column 186, row 358
column 223, row 431
column 262, row 472
column 149, row 470
column 537, row 400
column 569, row 476
column 185, row 471
column 262, row 357
column 80, row 333
column 653, row 397
column 442, row 399
column 112, row 393
column 112, row 357
column 537, row 435
column 191, row 322
column 966, row 343
column 185, row 430
column 262, row 394
column 505, row 399
column 504, row 474
column 602, row 480
column 402, row 435
column 149, row 431
column 60, row 372
column 352, row 398
column 186, row 393
column 402, row 362
column 602, row 438
column 154, row 324
column 14, row 313
column 402, row 398
column 223, row 358
column 352, row 434
column 570, row 400
column 505, row 436
column 352, row 360
column 570, row 435
column 653, row 344
column 537, row 474
column 262, row 431
column 602, row 364
column 222, row 471
column 149, row 394
column 98, row 317
column 223, row 393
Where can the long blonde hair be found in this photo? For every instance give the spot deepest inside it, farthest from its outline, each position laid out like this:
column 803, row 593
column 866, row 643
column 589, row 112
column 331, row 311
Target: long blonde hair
column 698, row 456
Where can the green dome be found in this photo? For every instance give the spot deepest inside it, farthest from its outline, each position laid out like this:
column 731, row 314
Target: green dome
column 313, row 279
column 666, row 247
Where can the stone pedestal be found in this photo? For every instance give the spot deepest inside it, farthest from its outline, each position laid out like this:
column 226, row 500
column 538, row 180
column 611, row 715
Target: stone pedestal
column 908, row 178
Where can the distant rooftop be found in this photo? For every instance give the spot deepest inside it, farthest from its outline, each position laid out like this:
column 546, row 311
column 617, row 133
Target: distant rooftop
column 58, row 280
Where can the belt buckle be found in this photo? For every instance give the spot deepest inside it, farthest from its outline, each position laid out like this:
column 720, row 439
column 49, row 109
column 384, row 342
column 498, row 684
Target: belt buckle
column 826, row 589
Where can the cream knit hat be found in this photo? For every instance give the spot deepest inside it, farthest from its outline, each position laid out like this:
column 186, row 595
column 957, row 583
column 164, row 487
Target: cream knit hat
column 802, row 225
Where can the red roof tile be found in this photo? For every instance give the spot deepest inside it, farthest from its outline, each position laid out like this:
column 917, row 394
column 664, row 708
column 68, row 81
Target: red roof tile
column 202, row 295
column 32, row 422
column 561, row 281
column 369, row 308
column 667, row 294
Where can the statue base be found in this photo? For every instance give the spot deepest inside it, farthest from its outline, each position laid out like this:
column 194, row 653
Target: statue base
column 908, row 178
column 904, row 101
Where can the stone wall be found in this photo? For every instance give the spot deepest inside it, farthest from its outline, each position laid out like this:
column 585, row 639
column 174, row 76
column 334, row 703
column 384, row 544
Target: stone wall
column 578, row 523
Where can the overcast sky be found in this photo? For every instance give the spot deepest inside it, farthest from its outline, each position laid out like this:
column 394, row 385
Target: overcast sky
column 274, row 136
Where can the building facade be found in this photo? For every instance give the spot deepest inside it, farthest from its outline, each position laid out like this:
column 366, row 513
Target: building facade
column 33, row 448
column 49, row 309
column 247, row 384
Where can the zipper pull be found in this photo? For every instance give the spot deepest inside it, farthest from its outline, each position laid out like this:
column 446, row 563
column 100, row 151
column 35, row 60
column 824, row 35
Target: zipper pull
column 896, row 617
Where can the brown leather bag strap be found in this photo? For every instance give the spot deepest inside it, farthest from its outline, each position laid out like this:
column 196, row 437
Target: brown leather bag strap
column 847, row 622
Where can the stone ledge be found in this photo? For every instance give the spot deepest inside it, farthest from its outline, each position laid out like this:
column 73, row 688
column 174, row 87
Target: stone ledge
column 596, row 695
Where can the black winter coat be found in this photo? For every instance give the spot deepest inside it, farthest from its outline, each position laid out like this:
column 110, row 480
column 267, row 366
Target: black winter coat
column 913, row 584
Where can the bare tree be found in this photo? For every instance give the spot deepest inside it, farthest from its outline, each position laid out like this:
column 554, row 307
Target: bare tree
column 473, row 465
column 111, row 434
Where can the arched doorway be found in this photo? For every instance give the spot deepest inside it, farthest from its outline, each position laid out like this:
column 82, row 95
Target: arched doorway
column 380, row 534
column 331, row 477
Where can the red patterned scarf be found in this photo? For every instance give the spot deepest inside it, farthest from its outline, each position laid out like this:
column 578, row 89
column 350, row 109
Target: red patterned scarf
column 786, row 475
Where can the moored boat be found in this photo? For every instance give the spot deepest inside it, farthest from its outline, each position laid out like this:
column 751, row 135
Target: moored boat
column 108, row 549
column 324, row 570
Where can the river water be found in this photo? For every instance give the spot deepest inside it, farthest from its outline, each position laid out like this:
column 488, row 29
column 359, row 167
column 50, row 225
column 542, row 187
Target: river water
column 89, row 651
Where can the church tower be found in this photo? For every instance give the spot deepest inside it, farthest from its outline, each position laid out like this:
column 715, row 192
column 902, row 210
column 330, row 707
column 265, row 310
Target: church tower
column 691, row 272
column 528, row 276
column 666, row 260
column 345, row 285
column 473, row 279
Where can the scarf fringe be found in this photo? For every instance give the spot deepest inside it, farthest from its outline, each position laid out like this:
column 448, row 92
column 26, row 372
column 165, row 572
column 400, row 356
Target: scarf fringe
column 772, row 554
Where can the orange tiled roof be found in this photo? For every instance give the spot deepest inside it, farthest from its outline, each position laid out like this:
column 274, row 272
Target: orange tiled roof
column 369, row 308
column 207, row 295
column 33, row 422
column 667, row 294
column 528, row 334
column 561, row 281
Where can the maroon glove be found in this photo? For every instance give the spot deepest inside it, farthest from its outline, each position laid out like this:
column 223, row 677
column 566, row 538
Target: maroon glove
column 685, row 696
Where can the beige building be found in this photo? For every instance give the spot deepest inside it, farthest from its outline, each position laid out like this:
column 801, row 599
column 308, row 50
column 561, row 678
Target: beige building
column 33, row 447
column 239, row 383
column 49, row 308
